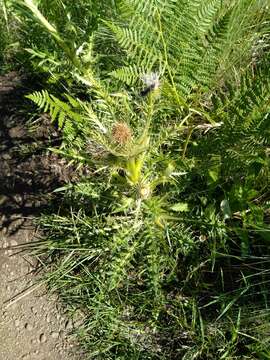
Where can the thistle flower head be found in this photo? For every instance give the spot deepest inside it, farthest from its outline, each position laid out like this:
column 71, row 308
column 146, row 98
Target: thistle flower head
column 151, row 80
column 121, row 133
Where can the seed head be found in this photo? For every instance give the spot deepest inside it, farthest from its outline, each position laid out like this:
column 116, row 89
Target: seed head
column 121, row 133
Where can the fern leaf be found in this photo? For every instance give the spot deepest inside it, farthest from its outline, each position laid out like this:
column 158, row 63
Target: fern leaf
column 59, row 110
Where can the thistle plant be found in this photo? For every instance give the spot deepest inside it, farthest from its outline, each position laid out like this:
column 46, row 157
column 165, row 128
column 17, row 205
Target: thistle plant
column 156, row 245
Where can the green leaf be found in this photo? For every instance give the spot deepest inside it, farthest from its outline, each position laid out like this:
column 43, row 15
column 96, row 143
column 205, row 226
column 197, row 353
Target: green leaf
column 213, row 174
column 180, row 207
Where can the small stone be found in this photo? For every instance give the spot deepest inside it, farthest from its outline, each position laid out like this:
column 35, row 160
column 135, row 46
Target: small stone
column 28, row 327
column 17, row 132
column 42, row 338
column 68, row 325
column 33, row 310
column 13, row 243
column 17, row 323
column 6, row 156
column 54, row 335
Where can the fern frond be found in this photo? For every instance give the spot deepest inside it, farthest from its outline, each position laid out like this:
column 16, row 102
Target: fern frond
column 58, row 110
column 133, row 41
column 212, row 54
column 146, row 9
column 206, row 14
column 244, row 110
column 188, row 42
column 129, row 74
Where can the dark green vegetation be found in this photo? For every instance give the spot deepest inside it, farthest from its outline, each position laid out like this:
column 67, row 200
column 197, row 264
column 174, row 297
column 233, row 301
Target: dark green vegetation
column 163, row 244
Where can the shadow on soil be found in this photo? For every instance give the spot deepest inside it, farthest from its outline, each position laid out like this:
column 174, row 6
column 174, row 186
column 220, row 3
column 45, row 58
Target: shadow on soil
column 28, row 173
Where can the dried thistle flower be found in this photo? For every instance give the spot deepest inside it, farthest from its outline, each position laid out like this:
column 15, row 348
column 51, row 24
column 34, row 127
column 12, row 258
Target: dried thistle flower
column 121, row 133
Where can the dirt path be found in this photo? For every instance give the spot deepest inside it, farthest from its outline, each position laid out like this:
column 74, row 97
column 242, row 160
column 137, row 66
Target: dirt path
column 32, row 326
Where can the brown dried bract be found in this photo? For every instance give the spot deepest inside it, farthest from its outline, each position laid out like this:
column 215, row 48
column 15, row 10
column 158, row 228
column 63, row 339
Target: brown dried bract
column 121, row 133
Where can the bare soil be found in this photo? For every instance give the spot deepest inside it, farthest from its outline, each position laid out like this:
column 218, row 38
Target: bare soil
column 32, row 325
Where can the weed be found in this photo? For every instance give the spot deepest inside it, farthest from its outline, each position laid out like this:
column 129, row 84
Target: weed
column 163, row 245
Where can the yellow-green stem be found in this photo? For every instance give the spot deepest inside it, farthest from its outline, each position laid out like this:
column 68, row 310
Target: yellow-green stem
column 187, row 141
column 134, row 169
